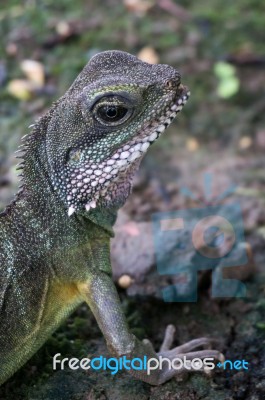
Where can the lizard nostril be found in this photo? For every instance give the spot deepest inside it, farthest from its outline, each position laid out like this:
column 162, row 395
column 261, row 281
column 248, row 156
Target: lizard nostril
column 172, row 83
column 169, row 84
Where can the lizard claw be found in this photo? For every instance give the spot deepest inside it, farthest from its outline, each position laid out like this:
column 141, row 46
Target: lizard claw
column 168, row 338
column 187, row 350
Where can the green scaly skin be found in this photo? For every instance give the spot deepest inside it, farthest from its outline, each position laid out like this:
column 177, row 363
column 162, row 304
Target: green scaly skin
column 78, row 165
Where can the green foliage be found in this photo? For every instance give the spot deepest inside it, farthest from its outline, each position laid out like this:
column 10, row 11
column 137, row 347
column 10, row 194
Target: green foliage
column 228, row 82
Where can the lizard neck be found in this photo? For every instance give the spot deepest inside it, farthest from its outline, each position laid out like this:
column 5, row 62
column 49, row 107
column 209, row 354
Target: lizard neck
column 37, row 190
column 38, row 196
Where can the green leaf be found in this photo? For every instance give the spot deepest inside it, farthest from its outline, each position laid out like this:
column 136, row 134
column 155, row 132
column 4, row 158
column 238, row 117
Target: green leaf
column 224, row 70
column 228, row 87
column 260, row 325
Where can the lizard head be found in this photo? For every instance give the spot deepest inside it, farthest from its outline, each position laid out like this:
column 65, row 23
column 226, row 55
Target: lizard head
column 101, row 128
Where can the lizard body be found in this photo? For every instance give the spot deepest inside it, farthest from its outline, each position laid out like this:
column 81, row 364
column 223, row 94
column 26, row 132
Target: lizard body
column 78, row 165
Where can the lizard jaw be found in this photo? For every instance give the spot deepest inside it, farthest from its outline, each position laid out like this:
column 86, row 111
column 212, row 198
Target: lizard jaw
column 130, row 154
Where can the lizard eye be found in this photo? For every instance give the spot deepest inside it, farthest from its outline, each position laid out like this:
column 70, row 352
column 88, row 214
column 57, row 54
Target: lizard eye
column 111, row 113
column 112, row 110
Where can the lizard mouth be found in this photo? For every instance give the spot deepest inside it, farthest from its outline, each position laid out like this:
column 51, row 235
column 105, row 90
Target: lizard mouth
column 110, row 180
column 135, row 149
column 168, row 116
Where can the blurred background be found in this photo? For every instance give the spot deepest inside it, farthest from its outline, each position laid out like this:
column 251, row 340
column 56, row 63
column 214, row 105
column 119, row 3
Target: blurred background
column 219, row 48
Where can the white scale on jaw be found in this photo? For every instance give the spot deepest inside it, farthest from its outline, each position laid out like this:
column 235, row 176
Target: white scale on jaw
column 120, row 160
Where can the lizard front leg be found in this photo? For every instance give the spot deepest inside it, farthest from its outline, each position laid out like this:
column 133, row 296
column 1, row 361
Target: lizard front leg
column 102, row 297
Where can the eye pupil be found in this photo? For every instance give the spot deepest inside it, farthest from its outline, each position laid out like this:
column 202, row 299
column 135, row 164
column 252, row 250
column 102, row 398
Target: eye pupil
column 111, row 112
